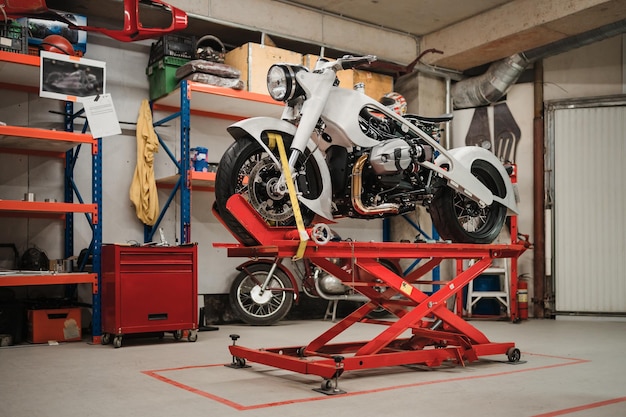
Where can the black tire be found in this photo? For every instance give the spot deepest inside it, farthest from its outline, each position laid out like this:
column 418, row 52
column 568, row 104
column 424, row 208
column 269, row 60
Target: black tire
column 244, row 164
column 258, row 309
column 460, row 219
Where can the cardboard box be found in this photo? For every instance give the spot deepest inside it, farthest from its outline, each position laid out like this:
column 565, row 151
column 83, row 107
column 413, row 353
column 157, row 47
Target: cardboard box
column 376, row 85
column 253, row 60
column 61, row 325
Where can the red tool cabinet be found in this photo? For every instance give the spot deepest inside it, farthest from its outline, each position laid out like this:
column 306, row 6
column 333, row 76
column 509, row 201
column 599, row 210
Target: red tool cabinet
column 149, row 289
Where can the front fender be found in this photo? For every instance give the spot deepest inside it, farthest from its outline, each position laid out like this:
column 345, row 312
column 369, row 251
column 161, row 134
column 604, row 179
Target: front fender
column 459, row 175
column 256, row 126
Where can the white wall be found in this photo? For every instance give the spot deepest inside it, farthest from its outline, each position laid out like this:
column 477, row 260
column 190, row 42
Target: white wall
column 128, row 85
column 591, row 71
column 520, row 103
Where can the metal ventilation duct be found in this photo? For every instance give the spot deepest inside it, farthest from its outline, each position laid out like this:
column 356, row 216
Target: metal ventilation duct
column 501, row 75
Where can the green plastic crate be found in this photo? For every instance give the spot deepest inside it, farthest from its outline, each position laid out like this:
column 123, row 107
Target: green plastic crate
column 161, row 76
column 13, row 37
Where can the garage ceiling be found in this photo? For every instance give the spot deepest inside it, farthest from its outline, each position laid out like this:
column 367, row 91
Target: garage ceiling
column 472, row 33
column 415, row 17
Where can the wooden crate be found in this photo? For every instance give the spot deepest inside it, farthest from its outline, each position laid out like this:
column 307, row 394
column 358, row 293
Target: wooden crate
column 253, row 60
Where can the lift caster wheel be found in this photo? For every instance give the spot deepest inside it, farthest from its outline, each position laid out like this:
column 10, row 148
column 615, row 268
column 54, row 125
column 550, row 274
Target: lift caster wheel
column 106, row 339
column 237, row 363
column 329, row 387
column 117, row 342
column 513, row 354
column 300, row 352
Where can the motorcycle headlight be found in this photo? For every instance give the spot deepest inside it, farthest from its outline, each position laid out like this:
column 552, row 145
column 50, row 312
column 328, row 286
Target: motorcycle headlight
column 281, row 82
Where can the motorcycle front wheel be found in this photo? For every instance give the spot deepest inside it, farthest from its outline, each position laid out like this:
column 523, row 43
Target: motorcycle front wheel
column 247, row 169
column 460, row 219
column 261, row 307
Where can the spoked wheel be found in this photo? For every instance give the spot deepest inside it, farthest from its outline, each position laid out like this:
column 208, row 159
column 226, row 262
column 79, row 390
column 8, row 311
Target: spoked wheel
column 255, row 305
column 460, row 219
column 247, row 169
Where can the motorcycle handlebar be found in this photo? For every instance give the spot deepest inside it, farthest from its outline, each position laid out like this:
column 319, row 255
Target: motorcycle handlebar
column 349, row 62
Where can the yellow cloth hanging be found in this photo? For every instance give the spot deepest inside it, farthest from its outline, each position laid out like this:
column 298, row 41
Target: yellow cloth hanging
column 143, row 190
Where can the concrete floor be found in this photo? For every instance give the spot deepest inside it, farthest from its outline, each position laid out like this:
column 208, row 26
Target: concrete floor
column 568, row 368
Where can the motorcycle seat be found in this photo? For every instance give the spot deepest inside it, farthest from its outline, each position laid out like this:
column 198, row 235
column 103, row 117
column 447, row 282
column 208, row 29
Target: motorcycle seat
column 436, row 119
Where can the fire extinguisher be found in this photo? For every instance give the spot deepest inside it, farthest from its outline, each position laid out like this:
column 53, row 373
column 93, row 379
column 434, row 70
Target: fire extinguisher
column 522, row 299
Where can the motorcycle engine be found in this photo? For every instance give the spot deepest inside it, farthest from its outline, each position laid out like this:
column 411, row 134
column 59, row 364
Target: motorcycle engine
column 392, row 156
column 331, row 285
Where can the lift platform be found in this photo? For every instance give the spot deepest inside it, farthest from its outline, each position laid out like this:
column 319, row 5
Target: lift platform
column 424, row 330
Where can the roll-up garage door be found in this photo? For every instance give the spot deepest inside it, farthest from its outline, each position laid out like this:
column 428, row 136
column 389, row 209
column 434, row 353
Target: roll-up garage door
column 588, row 191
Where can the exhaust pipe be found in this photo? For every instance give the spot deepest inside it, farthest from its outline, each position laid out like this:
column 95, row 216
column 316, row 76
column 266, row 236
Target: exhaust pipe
column 357, row 203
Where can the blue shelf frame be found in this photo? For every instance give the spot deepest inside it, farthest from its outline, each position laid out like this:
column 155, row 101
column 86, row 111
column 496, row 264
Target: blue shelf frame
column 183, row 185
column 70, row 189
column 435, row 237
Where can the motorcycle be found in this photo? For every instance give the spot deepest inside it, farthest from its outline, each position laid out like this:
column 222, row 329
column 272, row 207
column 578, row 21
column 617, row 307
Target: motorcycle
column 265, row 290
column 352, row 156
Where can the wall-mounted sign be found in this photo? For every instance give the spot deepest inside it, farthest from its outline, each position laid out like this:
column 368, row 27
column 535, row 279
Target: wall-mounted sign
column 70, row 78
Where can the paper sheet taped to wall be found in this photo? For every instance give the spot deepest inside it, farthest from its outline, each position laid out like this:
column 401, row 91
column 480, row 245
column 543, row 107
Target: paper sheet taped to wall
column 101, row 116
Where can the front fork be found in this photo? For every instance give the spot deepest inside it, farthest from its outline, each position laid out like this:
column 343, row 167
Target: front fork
column 274, row 264
column 268, row 278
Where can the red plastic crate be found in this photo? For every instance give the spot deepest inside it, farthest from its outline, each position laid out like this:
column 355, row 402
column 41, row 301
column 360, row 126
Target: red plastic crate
column 59, row 324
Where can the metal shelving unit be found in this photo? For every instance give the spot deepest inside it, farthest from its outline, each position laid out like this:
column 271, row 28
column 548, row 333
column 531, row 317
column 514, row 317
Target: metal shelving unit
column 21, row 72
column 192, row 98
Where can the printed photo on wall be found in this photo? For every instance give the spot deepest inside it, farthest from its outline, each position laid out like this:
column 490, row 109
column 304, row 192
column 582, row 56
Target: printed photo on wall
column 70, row 78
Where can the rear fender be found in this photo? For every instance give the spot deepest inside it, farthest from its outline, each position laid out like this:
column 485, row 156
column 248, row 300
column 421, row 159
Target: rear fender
column 459, row 176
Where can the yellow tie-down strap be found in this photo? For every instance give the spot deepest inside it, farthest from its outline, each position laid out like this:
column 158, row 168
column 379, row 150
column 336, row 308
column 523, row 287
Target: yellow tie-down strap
column 275, row 137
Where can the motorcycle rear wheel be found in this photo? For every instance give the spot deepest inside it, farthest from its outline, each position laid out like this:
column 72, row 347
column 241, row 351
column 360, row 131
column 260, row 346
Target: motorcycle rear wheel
column 247, row 169
column 460, row 219
column 261, row 308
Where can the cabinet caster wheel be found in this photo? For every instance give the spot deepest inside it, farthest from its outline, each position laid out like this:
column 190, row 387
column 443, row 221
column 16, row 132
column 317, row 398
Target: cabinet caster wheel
column 192, row 336
column 513, row 354
column 178, row 334
column 106, row 339
column 117, row 342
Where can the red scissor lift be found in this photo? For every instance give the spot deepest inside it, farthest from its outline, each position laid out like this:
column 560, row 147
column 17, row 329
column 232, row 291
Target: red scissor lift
column 437, row 334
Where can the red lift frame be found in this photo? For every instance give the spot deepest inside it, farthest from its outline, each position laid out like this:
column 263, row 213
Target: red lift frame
column 437, row 333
